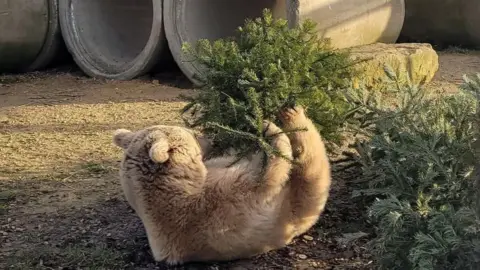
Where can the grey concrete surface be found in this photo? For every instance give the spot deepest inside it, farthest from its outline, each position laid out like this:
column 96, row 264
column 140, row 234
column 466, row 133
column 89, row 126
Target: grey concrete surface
column 29, row 34
column 115, row 39
column 443, row 23
column 350, row 23
column 346, row 22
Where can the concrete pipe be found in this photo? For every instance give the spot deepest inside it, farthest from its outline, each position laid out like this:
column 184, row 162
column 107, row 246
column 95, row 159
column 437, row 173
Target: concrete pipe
column 30, row 34
column 443, row 23
column 346, row 22
column 114, row 39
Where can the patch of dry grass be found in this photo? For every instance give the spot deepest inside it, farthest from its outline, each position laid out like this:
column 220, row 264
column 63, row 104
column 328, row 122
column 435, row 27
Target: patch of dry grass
column 39, row 140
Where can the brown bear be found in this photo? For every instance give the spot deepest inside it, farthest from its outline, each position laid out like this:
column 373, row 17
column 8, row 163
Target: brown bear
column 206, row 210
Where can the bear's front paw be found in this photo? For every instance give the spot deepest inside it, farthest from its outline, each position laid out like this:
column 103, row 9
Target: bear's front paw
column 270, row 129
column 292, row 115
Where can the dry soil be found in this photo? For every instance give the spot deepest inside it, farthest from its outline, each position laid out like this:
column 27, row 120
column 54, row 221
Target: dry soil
column 61, row 205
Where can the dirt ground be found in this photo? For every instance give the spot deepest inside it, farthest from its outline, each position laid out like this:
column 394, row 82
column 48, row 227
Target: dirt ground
column 61, row 206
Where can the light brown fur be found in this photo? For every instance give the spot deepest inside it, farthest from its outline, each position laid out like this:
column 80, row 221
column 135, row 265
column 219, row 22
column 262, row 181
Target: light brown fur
column 195, row 210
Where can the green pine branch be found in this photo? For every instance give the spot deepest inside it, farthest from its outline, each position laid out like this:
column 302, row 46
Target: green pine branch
column 267, row 67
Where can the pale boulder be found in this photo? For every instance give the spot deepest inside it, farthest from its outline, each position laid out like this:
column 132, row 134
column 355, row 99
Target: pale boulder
column 417, row 60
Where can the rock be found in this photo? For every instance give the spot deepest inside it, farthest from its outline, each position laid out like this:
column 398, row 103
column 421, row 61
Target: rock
column 308, row 237
column 302, row 256
column 418, row 60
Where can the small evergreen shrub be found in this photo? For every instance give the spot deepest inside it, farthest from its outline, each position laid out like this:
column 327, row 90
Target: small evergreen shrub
column 418, row 165
column 268, row 66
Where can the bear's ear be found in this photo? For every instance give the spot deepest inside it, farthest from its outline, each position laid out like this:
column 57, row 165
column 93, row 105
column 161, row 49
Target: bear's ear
column 122, row 138
column 159, row 150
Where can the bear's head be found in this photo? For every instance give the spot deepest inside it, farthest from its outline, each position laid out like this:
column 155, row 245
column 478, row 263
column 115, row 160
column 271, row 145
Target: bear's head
column 160, row 144
column 161, row 164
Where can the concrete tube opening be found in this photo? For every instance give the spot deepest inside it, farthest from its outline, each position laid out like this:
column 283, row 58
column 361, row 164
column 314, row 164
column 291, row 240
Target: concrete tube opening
column 117, row 39
column 29, row 35
column 453, row 23
column 191, row 20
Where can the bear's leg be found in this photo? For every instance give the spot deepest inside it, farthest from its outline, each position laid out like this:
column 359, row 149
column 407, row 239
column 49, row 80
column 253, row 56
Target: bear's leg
column 310, row 179
column 277, row 170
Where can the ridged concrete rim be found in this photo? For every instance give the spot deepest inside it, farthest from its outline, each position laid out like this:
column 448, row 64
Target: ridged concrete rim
column 140, row 65
column 177, row 33
column 176, row 36
column 53, row 39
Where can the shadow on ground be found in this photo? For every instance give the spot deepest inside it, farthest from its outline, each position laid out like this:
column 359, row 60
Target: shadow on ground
column 106, row 234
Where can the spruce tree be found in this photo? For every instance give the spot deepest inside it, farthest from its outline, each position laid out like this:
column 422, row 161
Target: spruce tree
column 418, row 163
column 268, row 66
column 472, row 86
